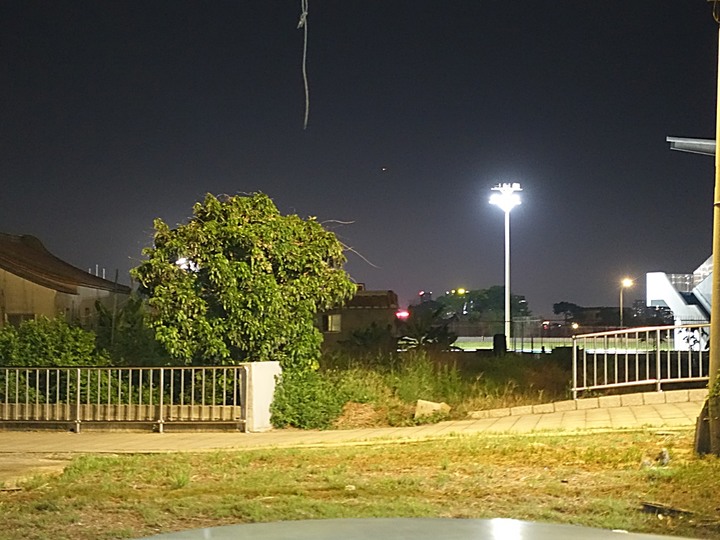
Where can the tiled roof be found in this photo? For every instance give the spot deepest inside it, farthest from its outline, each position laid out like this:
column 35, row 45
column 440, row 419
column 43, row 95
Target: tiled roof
column 26, row 257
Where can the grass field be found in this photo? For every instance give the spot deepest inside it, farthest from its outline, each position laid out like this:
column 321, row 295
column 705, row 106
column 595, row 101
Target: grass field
column 519, row 344
column 600, row 480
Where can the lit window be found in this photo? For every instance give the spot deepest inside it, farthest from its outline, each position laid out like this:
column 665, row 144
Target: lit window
column 331, row 323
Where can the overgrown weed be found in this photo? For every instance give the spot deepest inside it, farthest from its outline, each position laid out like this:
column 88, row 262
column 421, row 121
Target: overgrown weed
column 393, row 383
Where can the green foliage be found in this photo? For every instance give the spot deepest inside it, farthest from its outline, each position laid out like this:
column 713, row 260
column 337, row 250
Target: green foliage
column 427, row 328
column 48, row 343
column 568, row 309
column 373, row 339
column 241, row 282
column 393, row 383
column 482, row 304
column 305, row 399
column 467, row 382
column 128, row 338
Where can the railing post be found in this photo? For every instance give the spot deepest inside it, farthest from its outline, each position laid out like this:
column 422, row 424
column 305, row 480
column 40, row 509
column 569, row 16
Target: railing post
column 574, row 368
column 161, row 421
column 77, row 401
column 658, row 384
column 245, row 396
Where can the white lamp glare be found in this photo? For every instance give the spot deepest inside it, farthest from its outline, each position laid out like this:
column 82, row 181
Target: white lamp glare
column 506, row 199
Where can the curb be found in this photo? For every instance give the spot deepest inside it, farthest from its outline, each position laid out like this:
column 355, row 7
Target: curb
column 603, row 402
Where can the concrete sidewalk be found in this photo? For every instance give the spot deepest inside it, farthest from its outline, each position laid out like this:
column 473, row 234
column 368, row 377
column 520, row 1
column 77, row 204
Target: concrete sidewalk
column 676, row 409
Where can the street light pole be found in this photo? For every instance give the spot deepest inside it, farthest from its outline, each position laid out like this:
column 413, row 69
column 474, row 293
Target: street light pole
column 506, row 199
column 714, row 360
column 624, row 284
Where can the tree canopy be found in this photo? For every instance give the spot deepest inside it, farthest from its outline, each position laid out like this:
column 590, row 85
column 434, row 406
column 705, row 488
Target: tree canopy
column 241, row 282
column 483, row 304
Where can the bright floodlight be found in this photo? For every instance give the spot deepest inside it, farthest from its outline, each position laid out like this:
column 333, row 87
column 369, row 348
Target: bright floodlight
column 506, row 197
column 624, row 284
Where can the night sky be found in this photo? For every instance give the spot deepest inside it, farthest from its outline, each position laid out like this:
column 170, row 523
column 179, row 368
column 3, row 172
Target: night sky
column 117, row 112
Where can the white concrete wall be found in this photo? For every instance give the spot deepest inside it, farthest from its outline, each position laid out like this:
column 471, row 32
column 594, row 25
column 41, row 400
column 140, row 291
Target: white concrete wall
column 660, row 292
column 261, row 390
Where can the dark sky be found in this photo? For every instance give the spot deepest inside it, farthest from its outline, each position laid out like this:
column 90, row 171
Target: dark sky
column 117, row 112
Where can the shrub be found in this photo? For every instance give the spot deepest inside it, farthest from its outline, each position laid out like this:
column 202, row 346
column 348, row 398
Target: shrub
column 392, row 383
column 48, row 343
column 305, row 399
column 127, row 337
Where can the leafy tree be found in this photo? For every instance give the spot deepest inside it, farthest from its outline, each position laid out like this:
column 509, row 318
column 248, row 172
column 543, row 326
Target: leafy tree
column 128, row 338
column 48, row 343
column 241, row 282
column 567, row 309
column 373, row 339
column 427, row 328
column 483, row 304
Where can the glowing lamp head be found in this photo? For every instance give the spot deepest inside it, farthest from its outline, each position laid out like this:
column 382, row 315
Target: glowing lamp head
column 506, row 197
column 627, row 282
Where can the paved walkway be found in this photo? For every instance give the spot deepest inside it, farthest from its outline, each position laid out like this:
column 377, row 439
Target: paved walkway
column 678, row 409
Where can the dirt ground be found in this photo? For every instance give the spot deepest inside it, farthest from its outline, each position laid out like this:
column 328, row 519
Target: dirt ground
column 16, row 467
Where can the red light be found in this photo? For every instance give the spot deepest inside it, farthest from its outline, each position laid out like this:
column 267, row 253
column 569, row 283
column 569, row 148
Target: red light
column 402, row 314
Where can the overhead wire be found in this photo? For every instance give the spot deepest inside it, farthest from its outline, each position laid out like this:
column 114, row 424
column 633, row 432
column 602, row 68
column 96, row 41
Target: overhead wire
column 304, row 25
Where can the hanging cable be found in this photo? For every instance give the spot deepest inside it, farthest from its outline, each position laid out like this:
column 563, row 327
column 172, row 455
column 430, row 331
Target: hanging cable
column 303, row 24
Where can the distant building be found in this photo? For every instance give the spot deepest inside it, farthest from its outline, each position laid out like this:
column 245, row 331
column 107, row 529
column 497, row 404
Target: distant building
column 367, row 309
column 33, row 282
column 687, row 296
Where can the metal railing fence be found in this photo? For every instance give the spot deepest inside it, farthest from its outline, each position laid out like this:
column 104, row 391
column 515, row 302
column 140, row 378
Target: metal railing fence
column 650, row 356
column 124, row 395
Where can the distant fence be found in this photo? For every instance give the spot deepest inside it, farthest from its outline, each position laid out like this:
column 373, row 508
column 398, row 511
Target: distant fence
column 640, row 357
column 158, row 396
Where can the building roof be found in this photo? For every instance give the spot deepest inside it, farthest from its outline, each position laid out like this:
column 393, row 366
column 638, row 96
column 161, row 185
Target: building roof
column 26, row 257
column 373, row 299
column 705, row 147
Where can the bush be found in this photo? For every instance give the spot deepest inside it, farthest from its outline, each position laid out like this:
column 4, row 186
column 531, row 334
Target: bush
column 48, row 343
column 306, row 400
column 127, row 337
column 392, row 384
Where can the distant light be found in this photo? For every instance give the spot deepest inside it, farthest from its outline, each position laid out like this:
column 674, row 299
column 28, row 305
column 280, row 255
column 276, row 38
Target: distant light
column 575, row 326
column 421, row 293
column 186, row 264
column 402, row 314
column 627, row 282
column 461, row 291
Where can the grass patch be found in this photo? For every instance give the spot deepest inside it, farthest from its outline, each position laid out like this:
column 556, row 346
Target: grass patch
column 594, row 479
column 390, row 385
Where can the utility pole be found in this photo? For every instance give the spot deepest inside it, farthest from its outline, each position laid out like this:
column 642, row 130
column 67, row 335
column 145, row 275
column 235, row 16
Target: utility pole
column 713, row 403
